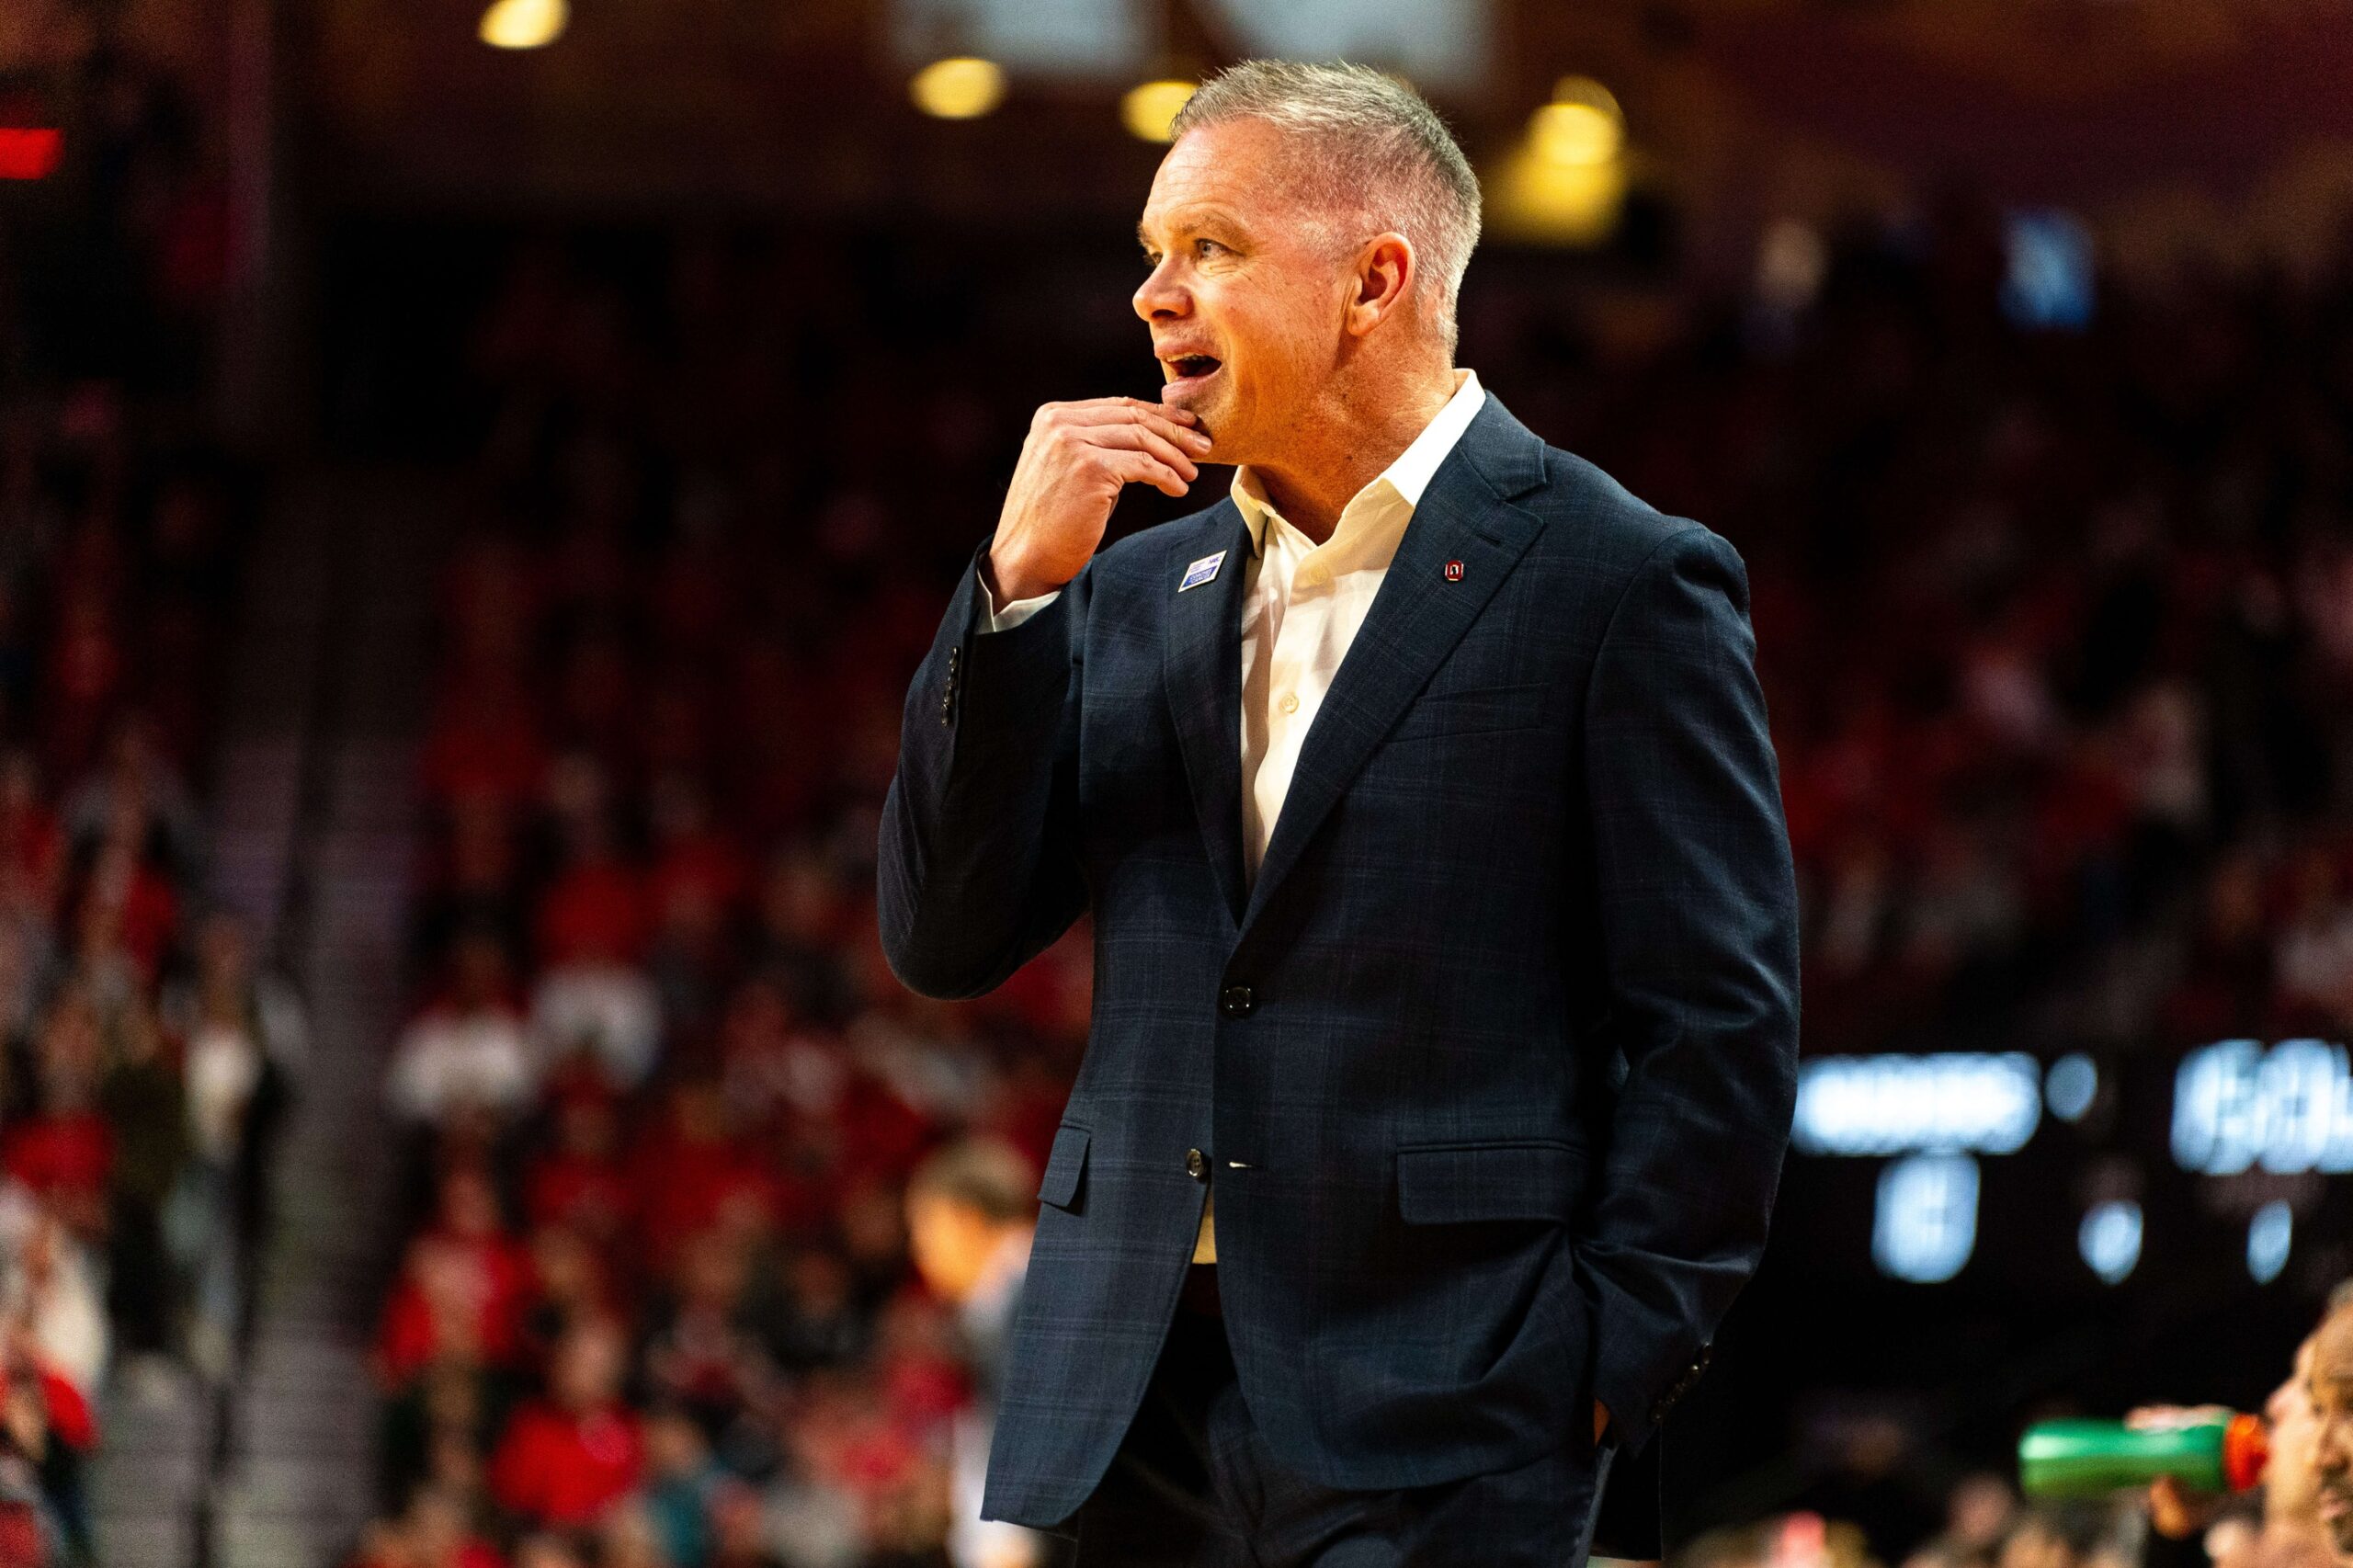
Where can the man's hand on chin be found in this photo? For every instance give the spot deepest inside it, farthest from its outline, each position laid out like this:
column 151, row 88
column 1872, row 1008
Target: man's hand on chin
column 1075, row 462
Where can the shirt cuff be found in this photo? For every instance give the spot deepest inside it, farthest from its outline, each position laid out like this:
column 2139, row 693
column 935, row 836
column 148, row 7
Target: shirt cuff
column 1014, row 614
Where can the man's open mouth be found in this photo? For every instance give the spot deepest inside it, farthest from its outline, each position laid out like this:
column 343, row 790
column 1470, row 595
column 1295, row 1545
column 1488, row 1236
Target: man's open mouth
column 1191, row 367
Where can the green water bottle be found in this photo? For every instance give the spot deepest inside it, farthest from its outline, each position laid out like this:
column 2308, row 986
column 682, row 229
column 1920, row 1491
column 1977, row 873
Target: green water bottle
column 2082, row 1459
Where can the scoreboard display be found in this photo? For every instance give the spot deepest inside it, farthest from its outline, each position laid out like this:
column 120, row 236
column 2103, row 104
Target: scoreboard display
column 2066, row 1176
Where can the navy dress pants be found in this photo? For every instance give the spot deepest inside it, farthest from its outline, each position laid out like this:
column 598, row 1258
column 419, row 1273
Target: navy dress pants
column 1194, row 1487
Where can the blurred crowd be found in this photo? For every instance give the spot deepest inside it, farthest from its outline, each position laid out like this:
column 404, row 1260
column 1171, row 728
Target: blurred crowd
column 2057, row 631
column 142, row 1051
column 2055, row 626
column 662, row 1096
column 1985, row 1524
column 143, row 1048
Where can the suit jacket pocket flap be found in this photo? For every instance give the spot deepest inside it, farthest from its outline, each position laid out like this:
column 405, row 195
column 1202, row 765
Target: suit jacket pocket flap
column 1064, row 1166
column 1440, row 1183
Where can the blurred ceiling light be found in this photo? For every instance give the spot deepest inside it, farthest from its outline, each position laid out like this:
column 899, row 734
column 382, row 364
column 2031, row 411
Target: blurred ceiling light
column 1150, row 106
column 524, row 24
column 29, row 151
column 1531, row 198
column 1566, row 182
column 961, row 87
column 1581, row 127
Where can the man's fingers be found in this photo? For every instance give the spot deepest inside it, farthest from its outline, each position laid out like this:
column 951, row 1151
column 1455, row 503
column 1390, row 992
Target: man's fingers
column 2175, row 1512
column 2165, row 1417
column 1174, row 424
column 1142, row 437
column 1184, row 437
column 1142, row 467
column 1133, row 406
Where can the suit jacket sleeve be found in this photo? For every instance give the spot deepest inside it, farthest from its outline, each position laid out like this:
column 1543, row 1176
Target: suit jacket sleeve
column 994, row 619
column 1698, row 910
column 977, row 867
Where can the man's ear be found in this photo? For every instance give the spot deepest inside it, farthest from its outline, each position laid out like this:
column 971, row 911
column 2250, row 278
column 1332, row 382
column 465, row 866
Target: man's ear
column 1386, row 270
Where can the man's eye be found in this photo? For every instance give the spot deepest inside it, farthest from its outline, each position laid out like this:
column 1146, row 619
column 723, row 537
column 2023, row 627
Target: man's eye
column 1203, row 247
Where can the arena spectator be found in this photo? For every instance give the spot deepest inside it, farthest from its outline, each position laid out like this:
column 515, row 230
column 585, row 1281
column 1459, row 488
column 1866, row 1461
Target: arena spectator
column 50, row 1291
column 972, row 1209
column 243, row 1041
column 433, row 1532
column 47, row 1428
column 2289, row 1528
column 605, row 1011
column 569, row 1459
column 2329, row 1382
column 467, row 1050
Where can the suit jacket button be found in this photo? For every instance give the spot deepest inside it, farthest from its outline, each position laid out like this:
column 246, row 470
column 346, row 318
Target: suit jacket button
column 1237, row 1002
column 1197, row 1165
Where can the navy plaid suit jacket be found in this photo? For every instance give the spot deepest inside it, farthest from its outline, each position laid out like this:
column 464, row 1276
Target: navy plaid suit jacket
column 1493, row 1066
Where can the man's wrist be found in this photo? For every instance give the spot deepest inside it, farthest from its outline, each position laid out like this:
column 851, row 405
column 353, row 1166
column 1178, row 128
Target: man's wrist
column 1007, row 581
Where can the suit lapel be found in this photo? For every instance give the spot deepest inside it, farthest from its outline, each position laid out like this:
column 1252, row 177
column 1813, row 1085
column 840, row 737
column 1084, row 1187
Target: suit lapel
column 1416, row 620
column 1201, row 668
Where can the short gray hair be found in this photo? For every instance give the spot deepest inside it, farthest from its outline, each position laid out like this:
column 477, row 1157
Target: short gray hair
column 981, row 1174
column 1384, row 154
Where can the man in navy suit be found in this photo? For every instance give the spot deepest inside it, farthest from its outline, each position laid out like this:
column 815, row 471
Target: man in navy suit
column 1445, row 1028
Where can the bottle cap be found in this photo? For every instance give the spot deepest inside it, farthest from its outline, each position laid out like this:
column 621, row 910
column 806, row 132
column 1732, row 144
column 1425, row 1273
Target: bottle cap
column 2247, row 1447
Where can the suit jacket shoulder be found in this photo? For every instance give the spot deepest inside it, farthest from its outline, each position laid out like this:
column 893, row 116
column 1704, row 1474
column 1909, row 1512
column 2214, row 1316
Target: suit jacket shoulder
column 1609, row 523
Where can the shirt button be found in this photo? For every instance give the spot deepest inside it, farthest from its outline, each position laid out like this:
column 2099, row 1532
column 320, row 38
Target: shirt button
column 1290, row 702
column 1237, row 1002
column 1197, row 1165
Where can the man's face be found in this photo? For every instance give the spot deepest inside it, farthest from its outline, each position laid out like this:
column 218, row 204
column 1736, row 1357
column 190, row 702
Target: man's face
column 949, row 1243
column 1248, row 295
column 2332, row 1404
column 2291, row 1485
column 588, row 1367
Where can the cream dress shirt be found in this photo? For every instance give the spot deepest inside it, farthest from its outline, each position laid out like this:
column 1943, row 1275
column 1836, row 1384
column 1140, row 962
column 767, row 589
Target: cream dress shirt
column 1301, row 605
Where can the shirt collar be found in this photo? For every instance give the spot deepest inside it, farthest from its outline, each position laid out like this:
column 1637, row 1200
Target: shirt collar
column 1409, row 476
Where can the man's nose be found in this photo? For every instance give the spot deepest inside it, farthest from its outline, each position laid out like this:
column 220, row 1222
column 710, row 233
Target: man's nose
column 1159, row 296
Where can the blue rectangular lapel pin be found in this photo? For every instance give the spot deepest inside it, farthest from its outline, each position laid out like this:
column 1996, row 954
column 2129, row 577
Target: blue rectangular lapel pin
column 1201, row 571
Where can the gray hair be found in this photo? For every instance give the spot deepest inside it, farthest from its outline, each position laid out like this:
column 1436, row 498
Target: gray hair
column 1383, row 158
column 980, row 1174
